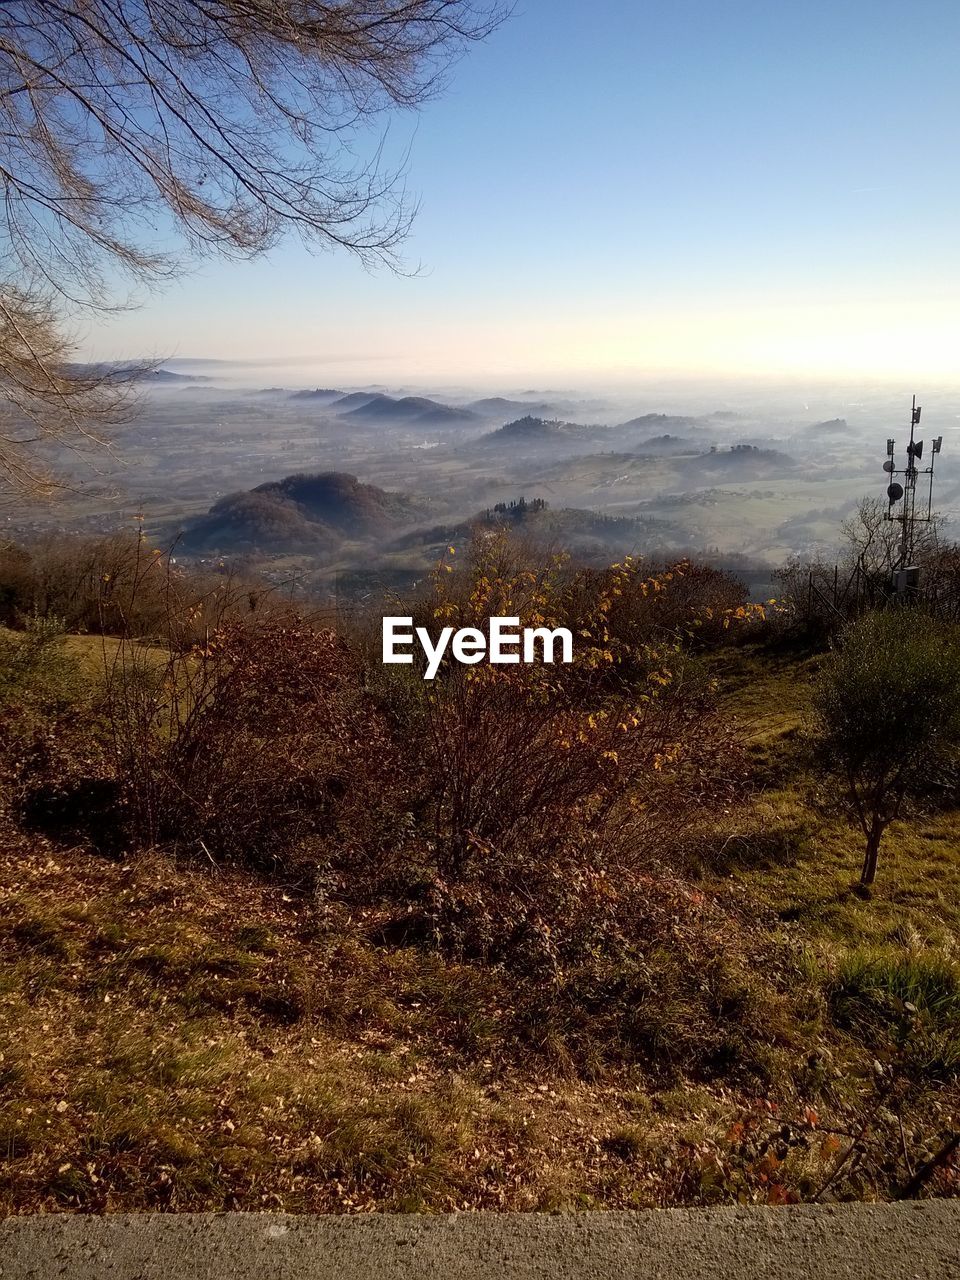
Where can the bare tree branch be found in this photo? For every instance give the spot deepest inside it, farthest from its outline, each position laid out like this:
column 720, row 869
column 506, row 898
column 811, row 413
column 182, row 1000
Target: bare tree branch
column 215, row 125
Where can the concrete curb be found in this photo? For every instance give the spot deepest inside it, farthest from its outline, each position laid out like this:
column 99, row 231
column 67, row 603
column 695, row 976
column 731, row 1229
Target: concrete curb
column 912, row 1241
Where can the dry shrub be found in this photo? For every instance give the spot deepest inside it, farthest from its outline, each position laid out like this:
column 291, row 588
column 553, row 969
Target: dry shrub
column 92, row 584
column 557, row 794
column 551, row 787
column 122, row 585
column 252, row 747
column 54, row 770
column 678, row 601
column 16, row 584
column 667, row 979
column 511, row 765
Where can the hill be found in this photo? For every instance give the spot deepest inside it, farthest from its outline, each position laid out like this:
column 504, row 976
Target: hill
column 530, row 432
column 255, row 522
column 668, row 445
column 409, row 411
column 299, row 513
column 594, row 536
column 443, row 415
column 833, row 426
column 500, row 407
column 740, row 461
column 121, row 371
column 660, row 422
column 587, row 534
column 339, row 499
column 320, row 395
column 355, row 400
column 168, row 376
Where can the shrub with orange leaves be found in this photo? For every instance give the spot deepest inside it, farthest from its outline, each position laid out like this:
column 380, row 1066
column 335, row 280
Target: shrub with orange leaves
column 547, row 778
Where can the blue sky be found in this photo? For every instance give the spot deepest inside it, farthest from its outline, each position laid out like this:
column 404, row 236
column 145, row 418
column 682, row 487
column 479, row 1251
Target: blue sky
column 620, row 189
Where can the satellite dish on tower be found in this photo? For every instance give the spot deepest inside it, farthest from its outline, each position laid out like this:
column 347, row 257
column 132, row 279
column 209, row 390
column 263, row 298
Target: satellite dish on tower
column 888, row 465
column 895, row 492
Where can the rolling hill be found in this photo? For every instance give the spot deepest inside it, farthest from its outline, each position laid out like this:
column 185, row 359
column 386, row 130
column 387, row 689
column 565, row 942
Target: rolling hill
column 530, row 433
column 833, row 426
column 582, row 532
column 301, row 513
column 500, row 407
column 660, row 422
column 416, row 412
column 320, row 395
column 667, row 446
column 740, row 462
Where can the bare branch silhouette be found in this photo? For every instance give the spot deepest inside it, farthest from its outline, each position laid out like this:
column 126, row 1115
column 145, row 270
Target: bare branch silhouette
column 210, row 125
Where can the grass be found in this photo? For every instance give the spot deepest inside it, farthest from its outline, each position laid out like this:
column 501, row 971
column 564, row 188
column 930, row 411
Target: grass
column 90, row 652
column 183, row 1037
column 792, row 846
column 158, row 1055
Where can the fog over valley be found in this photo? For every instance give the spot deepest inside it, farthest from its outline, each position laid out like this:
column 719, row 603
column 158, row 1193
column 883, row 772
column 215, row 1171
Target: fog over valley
column 311, row 483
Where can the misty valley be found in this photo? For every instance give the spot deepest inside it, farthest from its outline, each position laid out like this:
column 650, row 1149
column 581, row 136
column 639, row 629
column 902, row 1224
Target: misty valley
column 340, row 494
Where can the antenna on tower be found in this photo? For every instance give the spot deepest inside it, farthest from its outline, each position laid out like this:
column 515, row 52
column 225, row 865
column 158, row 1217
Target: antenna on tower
column 906, row 574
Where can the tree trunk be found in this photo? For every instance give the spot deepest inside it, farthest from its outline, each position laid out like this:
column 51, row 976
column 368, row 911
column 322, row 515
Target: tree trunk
column 869, row 872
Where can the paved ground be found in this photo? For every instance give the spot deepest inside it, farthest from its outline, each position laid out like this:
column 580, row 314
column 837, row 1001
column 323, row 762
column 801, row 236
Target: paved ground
column 868, row 1242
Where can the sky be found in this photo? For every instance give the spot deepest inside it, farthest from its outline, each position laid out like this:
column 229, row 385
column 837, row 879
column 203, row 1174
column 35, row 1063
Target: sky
column 622, row 190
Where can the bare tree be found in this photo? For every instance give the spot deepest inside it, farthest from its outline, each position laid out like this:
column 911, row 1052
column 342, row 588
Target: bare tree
column 132, row 129
column 872, row 540
column 44, row 400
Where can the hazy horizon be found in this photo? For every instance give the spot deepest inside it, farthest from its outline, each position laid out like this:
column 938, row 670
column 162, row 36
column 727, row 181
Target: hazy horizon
column 302, row 371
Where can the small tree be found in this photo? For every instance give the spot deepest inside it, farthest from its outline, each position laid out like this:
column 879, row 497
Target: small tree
column 888, row 707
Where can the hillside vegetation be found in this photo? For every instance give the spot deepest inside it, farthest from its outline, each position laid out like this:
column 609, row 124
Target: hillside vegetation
column 283, row 928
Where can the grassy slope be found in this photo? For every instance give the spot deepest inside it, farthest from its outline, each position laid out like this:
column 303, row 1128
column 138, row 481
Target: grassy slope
column 185, row 1037
column 180, row 1038
column 798, row 854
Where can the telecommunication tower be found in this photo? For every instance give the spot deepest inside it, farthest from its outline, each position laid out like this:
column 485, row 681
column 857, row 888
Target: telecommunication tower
column 906, row 573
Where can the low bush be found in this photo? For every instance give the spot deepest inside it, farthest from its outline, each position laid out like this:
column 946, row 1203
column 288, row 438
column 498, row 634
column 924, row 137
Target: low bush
column 55, row 771
column 516, row 819
column 251, row 747
column 541, row 787
column 121, row 585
